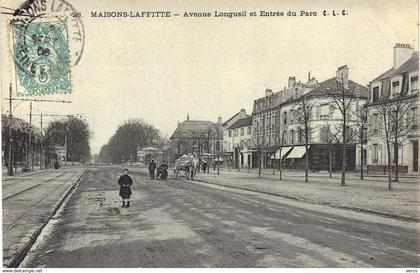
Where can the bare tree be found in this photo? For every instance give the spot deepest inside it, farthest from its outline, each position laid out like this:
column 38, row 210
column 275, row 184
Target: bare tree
column 399, row 120
column 330, row 134
column 343, row 96
column 303, row 115
column 360, row 133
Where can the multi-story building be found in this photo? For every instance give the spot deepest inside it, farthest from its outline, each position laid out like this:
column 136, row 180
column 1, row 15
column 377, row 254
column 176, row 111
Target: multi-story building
column 228, row 148
column 197, row 137
column 397, row 85
column 325, row 122
column 278, row 122
column 237, row 140
column 266, row 119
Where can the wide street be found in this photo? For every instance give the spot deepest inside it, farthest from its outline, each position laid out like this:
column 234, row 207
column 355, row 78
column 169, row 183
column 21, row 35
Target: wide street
column 180, row 223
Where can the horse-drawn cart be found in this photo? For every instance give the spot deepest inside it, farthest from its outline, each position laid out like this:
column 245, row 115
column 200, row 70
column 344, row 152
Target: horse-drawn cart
column 187, row 164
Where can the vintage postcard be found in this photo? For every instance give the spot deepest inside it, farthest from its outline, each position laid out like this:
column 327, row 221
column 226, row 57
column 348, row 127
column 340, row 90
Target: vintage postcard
column 210, row 134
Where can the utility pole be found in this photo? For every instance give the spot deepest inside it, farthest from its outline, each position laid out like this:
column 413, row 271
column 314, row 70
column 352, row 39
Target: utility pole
column 10, row 165
column 29, row 150
column 40, row 154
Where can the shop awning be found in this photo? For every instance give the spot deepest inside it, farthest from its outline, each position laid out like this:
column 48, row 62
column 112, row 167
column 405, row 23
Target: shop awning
column 297, row 152
column 284, row 150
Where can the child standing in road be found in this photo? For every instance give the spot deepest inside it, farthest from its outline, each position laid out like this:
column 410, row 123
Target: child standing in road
column 125, row 182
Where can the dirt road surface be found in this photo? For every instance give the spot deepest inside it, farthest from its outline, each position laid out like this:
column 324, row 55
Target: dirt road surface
column 178, row 223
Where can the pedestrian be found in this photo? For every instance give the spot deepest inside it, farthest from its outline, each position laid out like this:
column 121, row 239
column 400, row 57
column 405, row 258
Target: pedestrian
column 204, row 166
column 152, row 168
column 125, row 182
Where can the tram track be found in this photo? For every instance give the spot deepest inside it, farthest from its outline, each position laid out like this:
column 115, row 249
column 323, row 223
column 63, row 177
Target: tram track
column 35, row 205
column 32, row 187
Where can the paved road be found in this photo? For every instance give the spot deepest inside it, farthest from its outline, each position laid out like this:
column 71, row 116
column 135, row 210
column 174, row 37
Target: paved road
column 176, row 223
column 28, row 202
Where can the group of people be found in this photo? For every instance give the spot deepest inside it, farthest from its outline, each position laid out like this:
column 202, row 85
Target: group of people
column 125, row 181
column 161, row 171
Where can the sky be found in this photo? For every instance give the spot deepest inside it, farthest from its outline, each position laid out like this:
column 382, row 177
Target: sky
column 160, row 69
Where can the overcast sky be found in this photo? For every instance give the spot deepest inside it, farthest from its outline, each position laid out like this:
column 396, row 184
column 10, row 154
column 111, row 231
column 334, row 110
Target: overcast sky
column 162, row 69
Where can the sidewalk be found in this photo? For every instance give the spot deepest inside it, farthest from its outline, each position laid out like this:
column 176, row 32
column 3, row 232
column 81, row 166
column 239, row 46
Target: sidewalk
column 369, row 195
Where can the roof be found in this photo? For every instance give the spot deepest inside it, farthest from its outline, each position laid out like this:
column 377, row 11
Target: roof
column 411, row 64
column 227, row 121
column 244, row 122
column 330, row 85
column 408, row 66
column 194, row 129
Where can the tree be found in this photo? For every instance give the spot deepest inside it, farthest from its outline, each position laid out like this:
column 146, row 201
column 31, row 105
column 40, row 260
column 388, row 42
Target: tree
column 343, row 96
column 399, row 120
column 361, row 130
column 130, row 135
column 74, row 134
column 331, row 135
column 303, row 116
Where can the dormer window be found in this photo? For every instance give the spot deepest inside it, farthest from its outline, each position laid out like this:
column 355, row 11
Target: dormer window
column 414, row 84
column 375, row 94
column 395, row 89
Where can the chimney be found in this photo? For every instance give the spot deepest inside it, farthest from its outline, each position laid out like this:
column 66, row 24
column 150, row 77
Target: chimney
column 242, row 114
column 178, row 123
column 291, row 82
column 188, row 116
column 219, row 120
column 268, row 92
column 342, row 76
column 309, row 76
column 402, row 52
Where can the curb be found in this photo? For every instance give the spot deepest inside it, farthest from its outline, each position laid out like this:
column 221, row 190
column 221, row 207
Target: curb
column 305, row 200
column 21, row 253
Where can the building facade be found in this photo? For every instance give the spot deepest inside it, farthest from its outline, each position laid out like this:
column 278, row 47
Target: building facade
column 266, row 119
column 279, row 122
column 228, row 147
column 397, row 86
column 238, row 139
column 202, row 139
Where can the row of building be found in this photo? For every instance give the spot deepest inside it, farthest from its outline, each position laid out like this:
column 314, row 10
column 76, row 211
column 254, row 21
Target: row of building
column 275, row 131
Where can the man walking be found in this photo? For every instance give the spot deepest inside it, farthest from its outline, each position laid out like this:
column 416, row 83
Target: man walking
column 152, row 168
column 125, row 182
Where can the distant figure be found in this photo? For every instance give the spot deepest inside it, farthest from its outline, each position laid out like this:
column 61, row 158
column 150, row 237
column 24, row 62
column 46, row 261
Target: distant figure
column 125, row 182
column 163, row 170
column 204, row 167
column 152, row 168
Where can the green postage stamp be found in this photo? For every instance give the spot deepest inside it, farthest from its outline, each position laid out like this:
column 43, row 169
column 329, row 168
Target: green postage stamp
column 41, row 57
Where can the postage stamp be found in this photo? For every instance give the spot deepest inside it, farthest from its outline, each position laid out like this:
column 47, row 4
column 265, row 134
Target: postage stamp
column 41, row 58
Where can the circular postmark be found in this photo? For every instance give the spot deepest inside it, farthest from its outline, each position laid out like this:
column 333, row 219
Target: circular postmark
column 42, row 57
column 30, row 10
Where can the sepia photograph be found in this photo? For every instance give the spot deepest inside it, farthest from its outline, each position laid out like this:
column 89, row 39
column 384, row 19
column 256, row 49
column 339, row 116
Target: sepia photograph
column 201, row 134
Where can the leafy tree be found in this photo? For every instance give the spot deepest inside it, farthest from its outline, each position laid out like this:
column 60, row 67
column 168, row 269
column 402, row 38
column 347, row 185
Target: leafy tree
column 130, row 135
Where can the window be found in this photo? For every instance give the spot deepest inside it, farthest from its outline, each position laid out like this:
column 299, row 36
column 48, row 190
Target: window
column 375, row 94
column 249, row 130
column 414, row 84
column 395, row 89
column 292, row 116
column 235, row 132
column 300, row 135
column 325, row 111
column 375, row 154
column 230, row 133
column 242, row 131
column 375, row 123
column 292, row 136
column 284, row 118
column 323, row 134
